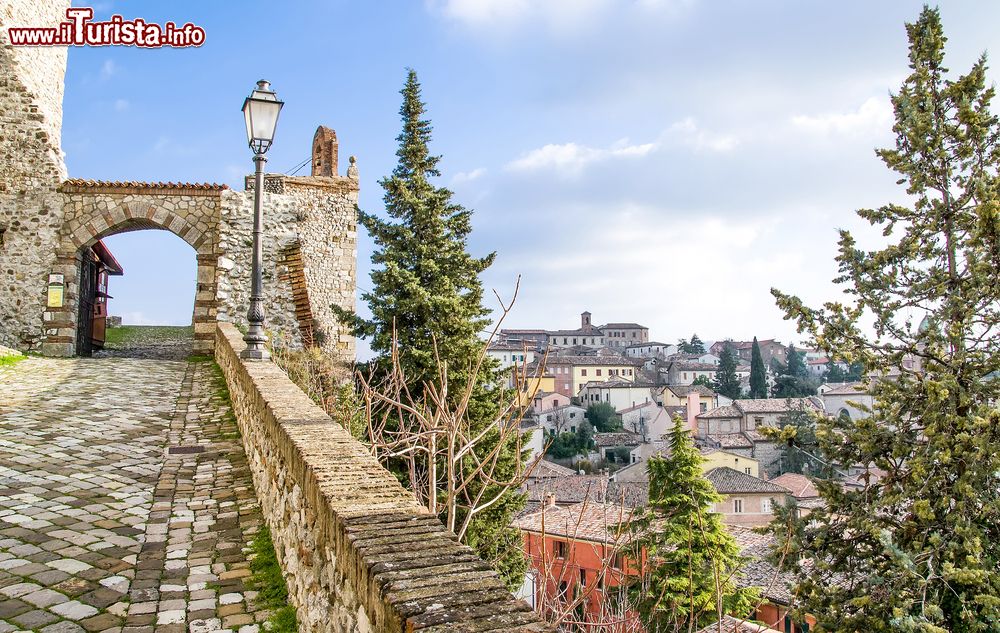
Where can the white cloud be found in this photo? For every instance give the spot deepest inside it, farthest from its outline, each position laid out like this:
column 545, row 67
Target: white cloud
column 463, row 177
column 108, row 68
column 689, row 133
column 121, row 105
column 569, row 159
column 874, row 115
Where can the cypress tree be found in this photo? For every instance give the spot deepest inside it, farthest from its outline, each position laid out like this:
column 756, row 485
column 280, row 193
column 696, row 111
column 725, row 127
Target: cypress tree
column 758, row 376
column 691, row 559
column 918, row 548
column 426, row 290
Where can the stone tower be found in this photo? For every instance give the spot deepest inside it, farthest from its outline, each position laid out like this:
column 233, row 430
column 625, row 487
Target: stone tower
column 324, row 153
column 47, row 221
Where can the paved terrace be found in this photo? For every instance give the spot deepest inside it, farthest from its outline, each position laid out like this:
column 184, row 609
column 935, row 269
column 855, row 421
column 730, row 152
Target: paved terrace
column 103, row 527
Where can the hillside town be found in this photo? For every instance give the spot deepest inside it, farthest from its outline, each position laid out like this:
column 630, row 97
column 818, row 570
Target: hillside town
column 600, row 403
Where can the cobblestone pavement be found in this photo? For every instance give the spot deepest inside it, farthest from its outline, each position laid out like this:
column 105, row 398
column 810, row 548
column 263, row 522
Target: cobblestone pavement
column 125, row 500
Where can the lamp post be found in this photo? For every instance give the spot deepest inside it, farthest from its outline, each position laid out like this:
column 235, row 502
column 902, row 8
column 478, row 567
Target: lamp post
column 260, row 110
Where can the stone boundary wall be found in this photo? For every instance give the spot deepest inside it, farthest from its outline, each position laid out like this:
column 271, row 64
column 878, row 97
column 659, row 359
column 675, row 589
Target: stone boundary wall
column 359, row 554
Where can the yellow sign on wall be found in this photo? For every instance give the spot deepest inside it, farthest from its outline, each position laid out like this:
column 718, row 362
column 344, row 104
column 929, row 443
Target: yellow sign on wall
column 55, row 296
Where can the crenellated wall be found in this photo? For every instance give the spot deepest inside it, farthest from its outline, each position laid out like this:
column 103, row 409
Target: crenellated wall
column 359, row 554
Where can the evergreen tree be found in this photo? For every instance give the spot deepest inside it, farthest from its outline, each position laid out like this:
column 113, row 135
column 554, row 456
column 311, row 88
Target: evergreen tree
column 794, row 380
column 694, row 346
column 691, row 559
column 918, row 548
column 426, row 291
column 697, row 346
column 795, row 364
column 758, row 375
column 727, row 382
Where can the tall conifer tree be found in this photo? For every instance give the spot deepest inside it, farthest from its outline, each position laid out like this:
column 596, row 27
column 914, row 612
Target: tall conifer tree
column 918, row 548
column 426, row 290
column 758, row 375
column 727, row 381
column 692, row 561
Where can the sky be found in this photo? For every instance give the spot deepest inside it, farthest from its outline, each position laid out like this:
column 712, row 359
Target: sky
column 665, row 162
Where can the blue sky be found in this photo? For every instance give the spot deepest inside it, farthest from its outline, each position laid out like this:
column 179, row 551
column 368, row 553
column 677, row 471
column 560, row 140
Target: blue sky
column 659, row 161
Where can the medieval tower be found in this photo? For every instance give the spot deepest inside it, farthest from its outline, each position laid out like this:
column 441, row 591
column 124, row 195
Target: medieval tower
column 47, row 219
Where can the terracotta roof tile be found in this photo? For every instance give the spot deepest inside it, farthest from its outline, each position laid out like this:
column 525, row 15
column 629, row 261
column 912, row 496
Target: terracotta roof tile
column 731, row 481
column 589, row 521
column 800, row 486
column 81, row 183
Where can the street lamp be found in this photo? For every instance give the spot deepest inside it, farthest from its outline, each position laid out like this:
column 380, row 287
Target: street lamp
column 260, row 110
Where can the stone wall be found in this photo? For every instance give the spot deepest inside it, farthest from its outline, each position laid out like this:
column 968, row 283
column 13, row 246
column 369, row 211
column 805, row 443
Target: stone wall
column 314, row 218
column 31, row 88
column 359, row 554
column 46, row 219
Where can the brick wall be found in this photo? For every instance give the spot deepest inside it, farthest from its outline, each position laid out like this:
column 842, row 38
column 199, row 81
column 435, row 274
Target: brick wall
column 358, row 553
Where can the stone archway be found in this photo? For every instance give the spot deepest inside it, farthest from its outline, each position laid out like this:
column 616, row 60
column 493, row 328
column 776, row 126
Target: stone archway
column 94, row 210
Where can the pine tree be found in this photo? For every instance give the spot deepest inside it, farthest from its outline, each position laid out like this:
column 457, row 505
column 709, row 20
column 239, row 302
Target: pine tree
column 918, row 549
column 795, row 365
column 794, row 380
column 426, row 293
column 694, row 346
column 758, row 375
column 727, row 382
column 697, row 346
column 691, row 559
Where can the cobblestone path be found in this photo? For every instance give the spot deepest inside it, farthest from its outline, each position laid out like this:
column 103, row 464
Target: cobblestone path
column 125, row 500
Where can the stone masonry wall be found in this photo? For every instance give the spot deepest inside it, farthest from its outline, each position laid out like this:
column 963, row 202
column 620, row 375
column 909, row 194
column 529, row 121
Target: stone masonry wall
column 317, row 216
column 358, row 553
column 31, row 88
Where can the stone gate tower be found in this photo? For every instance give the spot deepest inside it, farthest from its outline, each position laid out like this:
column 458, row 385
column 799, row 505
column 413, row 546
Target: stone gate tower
column 47, row 220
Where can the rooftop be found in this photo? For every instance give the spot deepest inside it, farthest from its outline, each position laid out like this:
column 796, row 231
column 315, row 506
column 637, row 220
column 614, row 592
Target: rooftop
column 847, row 389
column 729, row 624
column 730, row 481
column 544, row 469
column 800, row 486
column 603, row 361
column 681, row 391
column 588, row 520
column 725, row 411
column 570, row 488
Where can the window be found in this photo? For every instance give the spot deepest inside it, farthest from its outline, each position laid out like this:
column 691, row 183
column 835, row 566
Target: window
column 685, row 376
column 555, row 402
column 619, row 561
column 572, row 429
column 598, row 372
column 583, row 372
column 574, row 341
column 747, row 471
column 583, row 577
column 560, row 549
column 563, row 591
column 573, row 414
column 704, row 407
column 765, row 504
column 737, row 506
